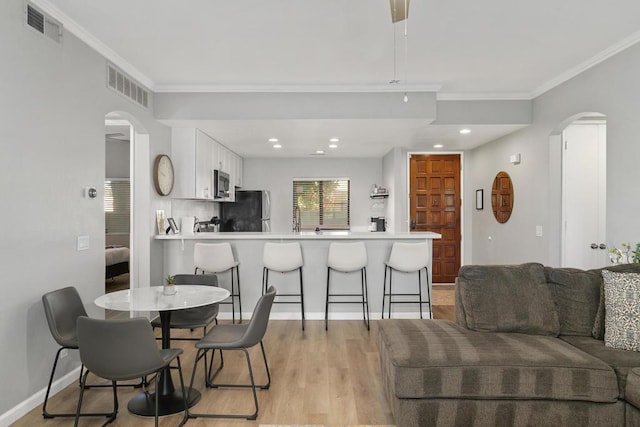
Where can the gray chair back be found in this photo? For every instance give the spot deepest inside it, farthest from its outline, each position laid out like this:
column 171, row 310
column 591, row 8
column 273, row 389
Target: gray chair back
column 62, row 308
column 259, row 320
column 198, row 279
column 118, row 349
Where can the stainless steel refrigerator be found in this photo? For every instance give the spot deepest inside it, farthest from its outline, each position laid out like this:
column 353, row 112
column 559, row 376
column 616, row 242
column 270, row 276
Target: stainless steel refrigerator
column 250, row 212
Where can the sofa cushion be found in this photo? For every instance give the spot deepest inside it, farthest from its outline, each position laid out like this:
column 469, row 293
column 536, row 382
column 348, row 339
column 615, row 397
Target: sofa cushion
column 598, row 324
column 622, row 310
column 576, row 294
column 622, row 361
column 632, row 390
column 440, row 359
column 507, row 298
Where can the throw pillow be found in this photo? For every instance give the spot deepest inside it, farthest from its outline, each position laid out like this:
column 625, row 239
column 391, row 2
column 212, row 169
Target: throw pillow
column 598, row 324
column 622, row 310
column 507, row 298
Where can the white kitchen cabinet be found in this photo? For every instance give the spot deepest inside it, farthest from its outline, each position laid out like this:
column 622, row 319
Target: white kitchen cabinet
column 192, row 155
column 239, row 170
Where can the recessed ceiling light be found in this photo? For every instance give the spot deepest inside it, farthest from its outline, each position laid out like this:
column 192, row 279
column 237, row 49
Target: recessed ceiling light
column 333, row 145
column 273, row 139
column 334, row 140
column 438, row 146
column 277, row 145
column 465, row 131
column 319, row 152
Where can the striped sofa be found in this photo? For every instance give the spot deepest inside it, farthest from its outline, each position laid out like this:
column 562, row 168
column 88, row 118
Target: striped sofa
column 526, row 349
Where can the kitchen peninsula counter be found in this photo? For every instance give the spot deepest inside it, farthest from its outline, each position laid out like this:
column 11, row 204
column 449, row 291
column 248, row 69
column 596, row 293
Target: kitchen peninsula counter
column 248, row 247
column 301, row 235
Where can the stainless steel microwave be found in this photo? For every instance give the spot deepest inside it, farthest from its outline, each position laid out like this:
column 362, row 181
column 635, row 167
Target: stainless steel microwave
column 220, row 184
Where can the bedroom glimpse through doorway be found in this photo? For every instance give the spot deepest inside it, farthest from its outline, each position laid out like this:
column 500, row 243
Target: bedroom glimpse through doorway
column 117, row 204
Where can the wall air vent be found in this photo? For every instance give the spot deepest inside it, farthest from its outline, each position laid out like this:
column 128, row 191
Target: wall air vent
column 126, row 86
column 43, row 23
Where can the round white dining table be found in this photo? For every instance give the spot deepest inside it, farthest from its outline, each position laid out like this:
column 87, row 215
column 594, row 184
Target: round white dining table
column 154, row 298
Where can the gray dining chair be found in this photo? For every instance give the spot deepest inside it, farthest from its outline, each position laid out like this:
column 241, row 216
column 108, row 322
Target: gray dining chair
column 192, row 318
column 237, row 337
column 62, row 308
column 119, row 350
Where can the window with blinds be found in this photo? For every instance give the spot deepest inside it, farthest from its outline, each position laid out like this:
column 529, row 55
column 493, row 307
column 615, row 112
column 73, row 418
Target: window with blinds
column 117, row 206
column 321, row 203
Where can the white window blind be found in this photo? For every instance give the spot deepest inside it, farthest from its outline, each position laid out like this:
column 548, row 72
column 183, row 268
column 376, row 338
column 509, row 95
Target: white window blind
column 322, row 203
column 117, row 206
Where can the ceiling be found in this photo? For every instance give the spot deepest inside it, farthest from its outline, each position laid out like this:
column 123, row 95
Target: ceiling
column 493, row 49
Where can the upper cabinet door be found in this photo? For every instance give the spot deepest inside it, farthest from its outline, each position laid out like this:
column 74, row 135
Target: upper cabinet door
column 191, row 154
column 204, row 166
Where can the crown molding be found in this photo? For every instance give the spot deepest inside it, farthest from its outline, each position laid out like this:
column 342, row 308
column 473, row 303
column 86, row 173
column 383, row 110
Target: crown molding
column 80, row 32
column 484, row 96
column 591, row 62
column 381, row 88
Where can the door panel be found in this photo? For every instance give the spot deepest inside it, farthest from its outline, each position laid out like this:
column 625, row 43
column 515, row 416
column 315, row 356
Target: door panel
column 435, row 205
column 584, row 200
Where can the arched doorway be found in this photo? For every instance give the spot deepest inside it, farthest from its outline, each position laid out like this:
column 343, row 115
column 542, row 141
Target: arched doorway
column 139, row 173
column 583, row 166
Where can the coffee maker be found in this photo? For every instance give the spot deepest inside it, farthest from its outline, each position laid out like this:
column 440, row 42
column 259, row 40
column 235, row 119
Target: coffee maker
column 378, row 223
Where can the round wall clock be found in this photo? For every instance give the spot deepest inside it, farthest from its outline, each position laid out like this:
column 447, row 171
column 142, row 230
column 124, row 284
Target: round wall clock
column 163, row 174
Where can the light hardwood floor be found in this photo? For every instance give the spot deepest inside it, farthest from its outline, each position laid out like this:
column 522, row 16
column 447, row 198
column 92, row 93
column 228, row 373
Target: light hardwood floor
column 318, row 377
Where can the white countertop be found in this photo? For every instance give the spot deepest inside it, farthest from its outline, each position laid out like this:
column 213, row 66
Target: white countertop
column 302, row 235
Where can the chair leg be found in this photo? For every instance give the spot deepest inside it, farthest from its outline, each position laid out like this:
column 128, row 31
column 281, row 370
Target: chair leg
column 111, row 415
column 46, row 414
column 239, row 294
column 326, row 305
column 301, row 296
column 390, row 291
column 184, row 394
column 420, row 292
column 233, row 304
column 426, row 273
column 365, row 299
column 384, row 288
column 253, row 385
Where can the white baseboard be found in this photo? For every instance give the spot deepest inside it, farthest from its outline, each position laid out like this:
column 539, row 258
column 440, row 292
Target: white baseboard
column 24, row 407
column 357, row 315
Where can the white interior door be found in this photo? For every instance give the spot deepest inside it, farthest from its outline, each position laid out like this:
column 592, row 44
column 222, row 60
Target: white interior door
column 584, row 195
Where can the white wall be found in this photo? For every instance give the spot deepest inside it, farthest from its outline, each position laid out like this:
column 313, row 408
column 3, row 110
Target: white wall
column 276, row 175
column 52, row 111
column 611, row 88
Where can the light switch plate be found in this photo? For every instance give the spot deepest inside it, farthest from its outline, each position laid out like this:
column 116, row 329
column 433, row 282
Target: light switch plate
column 538, row 231
column 83, row 243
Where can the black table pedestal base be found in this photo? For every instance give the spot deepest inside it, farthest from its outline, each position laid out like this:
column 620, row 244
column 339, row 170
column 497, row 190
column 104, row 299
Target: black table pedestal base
column 144, row 404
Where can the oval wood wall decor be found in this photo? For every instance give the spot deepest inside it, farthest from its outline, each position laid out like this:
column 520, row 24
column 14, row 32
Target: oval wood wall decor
column 502, row 197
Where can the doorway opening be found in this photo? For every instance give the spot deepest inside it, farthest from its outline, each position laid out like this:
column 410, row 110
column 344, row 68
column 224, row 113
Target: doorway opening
column 435, row 204
column 139, row 174
column 584, row 184
column 117, row 204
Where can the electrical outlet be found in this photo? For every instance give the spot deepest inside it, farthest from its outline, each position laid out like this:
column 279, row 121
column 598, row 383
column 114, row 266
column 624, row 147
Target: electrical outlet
column 64, row 353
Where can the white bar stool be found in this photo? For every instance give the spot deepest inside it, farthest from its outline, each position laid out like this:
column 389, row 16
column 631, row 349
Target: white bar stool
column 348, row 258
column 218, row 258
column 407, row 258
column 283, row 258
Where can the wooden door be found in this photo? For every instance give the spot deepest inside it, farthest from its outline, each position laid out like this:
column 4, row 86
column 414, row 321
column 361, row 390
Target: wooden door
column 435, row 205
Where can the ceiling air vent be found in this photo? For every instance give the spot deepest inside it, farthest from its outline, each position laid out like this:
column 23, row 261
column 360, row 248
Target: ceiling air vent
column 126, row 86
column 43, row 23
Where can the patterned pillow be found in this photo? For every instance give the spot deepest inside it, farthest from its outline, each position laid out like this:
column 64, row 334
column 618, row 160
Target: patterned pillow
column 622, row 310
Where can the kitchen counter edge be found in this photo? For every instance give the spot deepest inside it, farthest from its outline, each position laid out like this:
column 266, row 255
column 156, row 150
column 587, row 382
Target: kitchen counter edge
column 300, row 236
